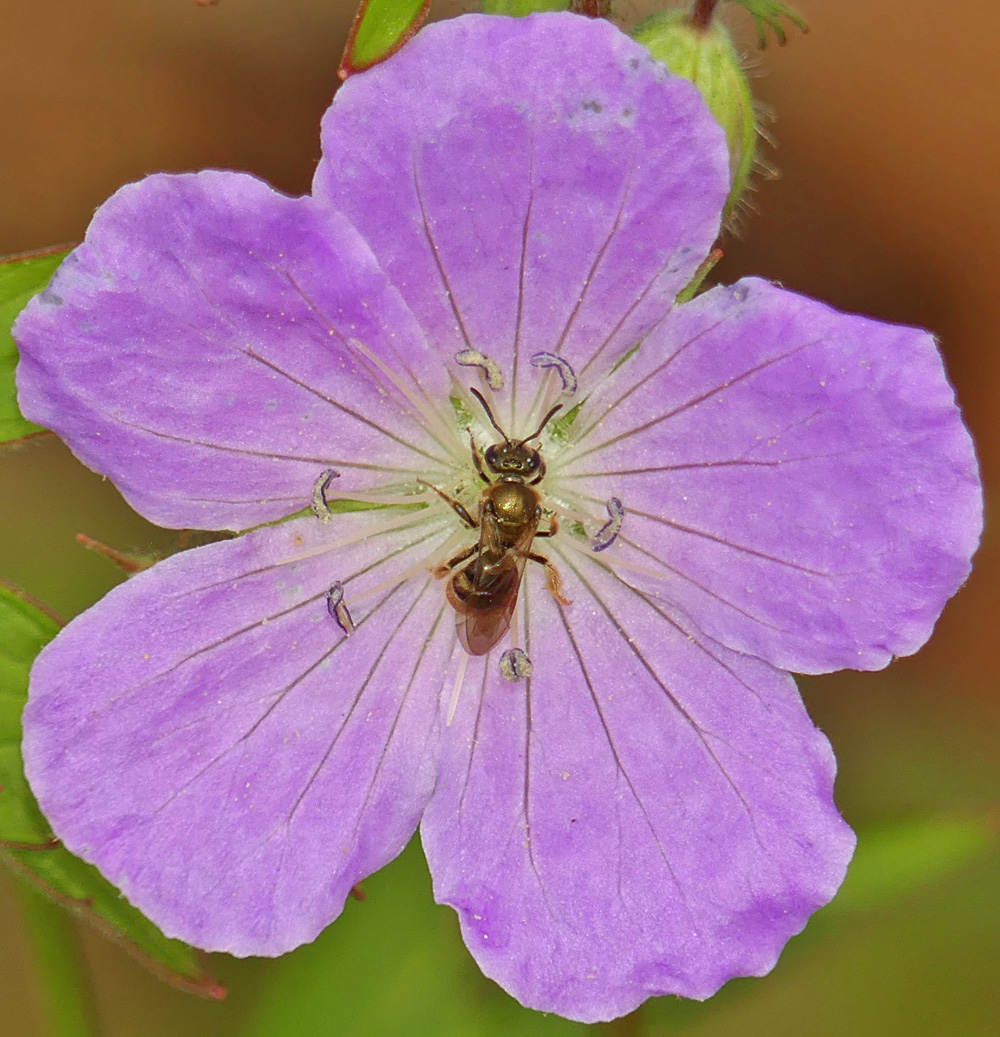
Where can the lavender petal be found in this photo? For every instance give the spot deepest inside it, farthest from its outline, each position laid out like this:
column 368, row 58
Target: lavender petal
column 798, row 480
column 213, row 742
column 201, row 349
column 648, row 813
column 561, row 213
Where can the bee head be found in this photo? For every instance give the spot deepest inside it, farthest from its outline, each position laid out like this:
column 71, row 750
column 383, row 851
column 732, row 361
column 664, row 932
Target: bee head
column 513, row 459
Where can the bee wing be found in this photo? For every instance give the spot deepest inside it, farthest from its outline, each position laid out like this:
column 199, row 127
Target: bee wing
column 480, row 628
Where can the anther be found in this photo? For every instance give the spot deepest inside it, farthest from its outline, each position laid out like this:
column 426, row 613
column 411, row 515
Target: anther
column 608, row 533
column 566, row 373
column 337, row 609
column 515, row 665
column 320, row 507
column 490, row 368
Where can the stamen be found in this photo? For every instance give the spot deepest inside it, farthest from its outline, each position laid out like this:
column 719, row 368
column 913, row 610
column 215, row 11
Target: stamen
column 374, row 528
column 427, row 411
column 320, row 507
column 566, row 373
column 337, row 609
column 463, row 663
column 515, row 665
column 608, row 533
column 490, row 368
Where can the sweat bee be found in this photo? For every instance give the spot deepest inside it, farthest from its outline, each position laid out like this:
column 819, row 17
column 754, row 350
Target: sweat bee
column 483, row 592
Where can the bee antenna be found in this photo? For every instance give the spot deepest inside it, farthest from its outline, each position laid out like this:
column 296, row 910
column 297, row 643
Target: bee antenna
column 486, row 407
column 538, row 431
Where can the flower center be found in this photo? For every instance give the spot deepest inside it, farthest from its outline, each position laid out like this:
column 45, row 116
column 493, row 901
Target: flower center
column 505, row 523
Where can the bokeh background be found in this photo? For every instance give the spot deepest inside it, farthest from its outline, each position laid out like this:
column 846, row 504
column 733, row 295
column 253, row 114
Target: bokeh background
column 888, row 136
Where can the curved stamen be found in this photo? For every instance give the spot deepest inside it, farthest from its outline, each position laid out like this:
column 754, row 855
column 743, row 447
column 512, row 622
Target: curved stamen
column 608, row 533
column 561, row 366
column 490, row 368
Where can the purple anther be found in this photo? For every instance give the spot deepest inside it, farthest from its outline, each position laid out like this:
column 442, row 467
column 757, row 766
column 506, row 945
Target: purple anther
column 608, row 533
column 566, row 373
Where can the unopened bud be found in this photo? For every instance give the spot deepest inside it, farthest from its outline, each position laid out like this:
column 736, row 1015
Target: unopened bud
column 707, row 57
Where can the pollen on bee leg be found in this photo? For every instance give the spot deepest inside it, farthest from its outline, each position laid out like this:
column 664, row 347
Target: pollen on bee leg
column 515, row 665
column 337, row 609
column 562, row 368
column 553, row 581
column 608, row 533
column 490, row 368
column 320, row 507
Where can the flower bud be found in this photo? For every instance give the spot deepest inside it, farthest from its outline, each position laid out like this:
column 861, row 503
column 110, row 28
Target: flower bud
column 707, row 57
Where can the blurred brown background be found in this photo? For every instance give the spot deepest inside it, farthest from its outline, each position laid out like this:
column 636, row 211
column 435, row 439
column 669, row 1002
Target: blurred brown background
column 889, row 149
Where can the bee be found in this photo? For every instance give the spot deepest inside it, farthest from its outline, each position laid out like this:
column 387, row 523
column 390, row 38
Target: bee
column 483, row 592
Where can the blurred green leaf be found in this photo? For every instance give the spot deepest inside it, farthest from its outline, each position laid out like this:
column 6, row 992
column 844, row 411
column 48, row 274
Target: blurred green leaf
column 84, row 892
column 26, row 841
column 393, row 965
column 380, row 28
column 894, row 861
column 519, row 8
column 21, row 277
column 24, row 630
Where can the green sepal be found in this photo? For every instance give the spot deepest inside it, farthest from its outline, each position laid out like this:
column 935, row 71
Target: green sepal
column 770, row 13
column 379, row 29
column 27, row 844
column 706, row 266
column 21, row 278
column 708, row 58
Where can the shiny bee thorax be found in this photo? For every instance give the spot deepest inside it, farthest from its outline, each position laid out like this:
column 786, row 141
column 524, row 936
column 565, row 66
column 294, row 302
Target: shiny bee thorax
column 513, row 504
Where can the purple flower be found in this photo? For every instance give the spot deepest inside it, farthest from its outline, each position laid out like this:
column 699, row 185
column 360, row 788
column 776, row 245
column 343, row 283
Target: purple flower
column 746, row 484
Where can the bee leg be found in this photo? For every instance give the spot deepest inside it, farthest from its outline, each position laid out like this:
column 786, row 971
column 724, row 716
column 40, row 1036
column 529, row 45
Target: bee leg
column 457, row 506
column 552, row 578
column 477, row 459
column 552, row 530
column 445, row 567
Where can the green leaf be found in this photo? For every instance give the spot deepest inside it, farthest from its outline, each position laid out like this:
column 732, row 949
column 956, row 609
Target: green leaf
column 21, row 277
column 27, row 845
column 380, row 28
column 519, row 8
column 84, row 892
column 24, row 630
column 893, row 862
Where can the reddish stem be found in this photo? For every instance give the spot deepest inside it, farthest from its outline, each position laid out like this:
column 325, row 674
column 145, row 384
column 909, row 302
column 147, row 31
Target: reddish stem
column 701, row 16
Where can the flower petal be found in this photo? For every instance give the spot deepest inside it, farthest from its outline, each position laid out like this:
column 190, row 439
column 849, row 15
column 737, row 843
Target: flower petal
column 534, row 186
column 798, row 480
column 201, row 349
column 210, row 739
column 647, row 814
